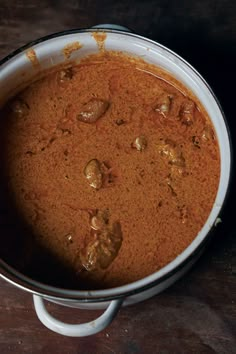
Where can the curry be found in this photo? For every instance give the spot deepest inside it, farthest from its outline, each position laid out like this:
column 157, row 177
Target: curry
column 112, row 165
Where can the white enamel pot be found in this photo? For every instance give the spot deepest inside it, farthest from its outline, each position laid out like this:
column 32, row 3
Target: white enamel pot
column 49, row 52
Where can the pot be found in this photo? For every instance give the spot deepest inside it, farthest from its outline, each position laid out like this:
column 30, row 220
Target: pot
column 43, row 54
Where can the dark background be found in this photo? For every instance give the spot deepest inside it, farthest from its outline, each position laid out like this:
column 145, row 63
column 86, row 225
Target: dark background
column 198, row 313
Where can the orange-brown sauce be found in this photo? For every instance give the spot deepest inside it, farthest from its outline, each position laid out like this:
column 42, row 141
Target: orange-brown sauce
column 31, row 55
column 71, row 48
column 100, row 38
column 112, row 165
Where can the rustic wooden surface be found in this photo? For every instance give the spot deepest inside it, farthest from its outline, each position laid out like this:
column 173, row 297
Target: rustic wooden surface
column 198, row 313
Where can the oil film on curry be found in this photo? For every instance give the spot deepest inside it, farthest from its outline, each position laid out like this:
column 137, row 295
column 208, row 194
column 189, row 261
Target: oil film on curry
column 111, row 166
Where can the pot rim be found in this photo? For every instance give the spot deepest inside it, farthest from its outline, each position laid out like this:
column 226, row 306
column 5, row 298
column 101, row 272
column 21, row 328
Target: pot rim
column 20, row 280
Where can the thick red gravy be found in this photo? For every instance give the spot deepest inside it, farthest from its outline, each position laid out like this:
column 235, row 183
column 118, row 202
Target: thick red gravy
column 112, row 168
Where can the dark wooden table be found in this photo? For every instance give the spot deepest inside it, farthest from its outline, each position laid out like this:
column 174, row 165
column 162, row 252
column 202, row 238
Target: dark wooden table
column 198, row 313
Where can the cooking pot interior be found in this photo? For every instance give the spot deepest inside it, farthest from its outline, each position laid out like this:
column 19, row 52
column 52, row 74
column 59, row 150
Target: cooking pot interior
column 19, row 248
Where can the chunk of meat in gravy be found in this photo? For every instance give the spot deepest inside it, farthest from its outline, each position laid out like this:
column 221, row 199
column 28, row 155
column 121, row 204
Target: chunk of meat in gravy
column 98, row 174
column 20, row 108
column 172, row 152
column 93, row 110
column 93, row 173
column 208, row 134
column 140, row 143
column 65, row 75
column 183, row 213
column 103, row 248
column 164, row 104
column 100, row 220
column 186, row 112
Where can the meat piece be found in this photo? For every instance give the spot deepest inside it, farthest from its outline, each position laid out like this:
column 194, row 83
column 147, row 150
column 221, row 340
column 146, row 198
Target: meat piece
column 93, row 110
column 170, row 184
column 93, row 173
column 99, row 174
column 111, row 241
column 164, row 104
column 186, row 112
column 140, row 143
column 103, row 249
column 172, row 152
column 20, row 108
column 100, row 220
column 208, row 133
column 183, row 213
column 89, row 256
column 65, row 75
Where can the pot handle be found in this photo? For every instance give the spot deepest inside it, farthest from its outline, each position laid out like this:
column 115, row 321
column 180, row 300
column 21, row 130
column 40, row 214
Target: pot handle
column 112, row 27
column 76, row 330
